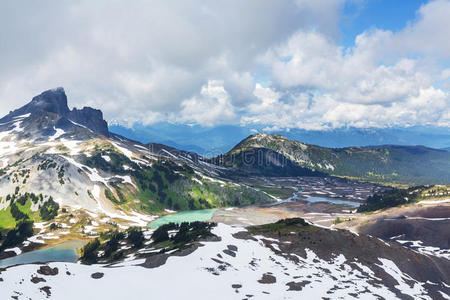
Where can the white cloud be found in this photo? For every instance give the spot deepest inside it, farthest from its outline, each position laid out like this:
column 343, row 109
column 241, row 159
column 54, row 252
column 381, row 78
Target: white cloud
column 199, row 62
column 385, row 79
column 325, row 19
column 138, row 58
column 212, row 106
column 429, row 33
column 322, row 111
column 311, row 61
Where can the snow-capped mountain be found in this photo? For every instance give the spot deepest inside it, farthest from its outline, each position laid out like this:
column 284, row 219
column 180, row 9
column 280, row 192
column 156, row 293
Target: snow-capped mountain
column 48, row 112
column 69, row 155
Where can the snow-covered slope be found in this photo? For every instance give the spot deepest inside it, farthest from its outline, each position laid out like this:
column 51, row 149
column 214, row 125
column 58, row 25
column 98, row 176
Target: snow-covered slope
column 239, row 266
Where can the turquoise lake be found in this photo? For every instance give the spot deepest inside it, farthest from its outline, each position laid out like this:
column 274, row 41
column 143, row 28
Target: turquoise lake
column 184, row 216
column 64, row 252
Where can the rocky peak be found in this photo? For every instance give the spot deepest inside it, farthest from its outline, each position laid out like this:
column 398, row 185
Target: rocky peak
column 275, row 142
column 53, row 103
column 266, row 136
column 260, row 139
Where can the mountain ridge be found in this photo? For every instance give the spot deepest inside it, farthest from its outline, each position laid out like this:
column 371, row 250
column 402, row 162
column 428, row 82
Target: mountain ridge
column 384, row 163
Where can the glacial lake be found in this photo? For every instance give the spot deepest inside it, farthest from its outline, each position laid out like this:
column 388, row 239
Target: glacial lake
column 64, row 252
column 184, row 216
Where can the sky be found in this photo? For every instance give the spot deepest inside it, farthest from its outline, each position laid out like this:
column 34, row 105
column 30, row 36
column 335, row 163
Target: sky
column 274, row 64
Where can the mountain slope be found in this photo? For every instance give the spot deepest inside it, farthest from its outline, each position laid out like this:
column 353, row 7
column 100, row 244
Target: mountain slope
column 390, row 163
column 261, row 161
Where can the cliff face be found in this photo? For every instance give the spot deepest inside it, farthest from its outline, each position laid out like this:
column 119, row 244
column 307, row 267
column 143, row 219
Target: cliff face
column 91, row 118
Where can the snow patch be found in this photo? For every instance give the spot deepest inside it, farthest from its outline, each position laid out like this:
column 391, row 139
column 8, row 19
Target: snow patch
column 16, row 250
column 59, row 132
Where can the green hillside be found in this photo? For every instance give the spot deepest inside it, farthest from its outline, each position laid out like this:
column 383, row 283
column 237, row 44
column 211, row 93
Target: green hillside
column 388, row 164
column 167, row 184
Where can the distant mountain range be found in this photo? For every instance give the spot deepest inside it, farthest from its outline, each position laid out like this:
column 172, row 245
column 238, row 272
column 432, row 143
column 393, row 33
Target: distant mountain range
column 202, row 140
column 211, row 141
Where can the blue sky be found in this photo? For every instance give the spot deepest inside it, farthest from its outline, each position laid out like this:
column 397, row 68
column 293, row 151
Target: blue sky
column 276, row 65
column 383, row 14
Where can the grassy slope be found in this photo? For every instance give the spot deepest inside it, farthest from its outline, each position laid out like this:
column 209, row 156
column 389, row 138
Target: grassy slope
column 167, row 184
column 7, row 221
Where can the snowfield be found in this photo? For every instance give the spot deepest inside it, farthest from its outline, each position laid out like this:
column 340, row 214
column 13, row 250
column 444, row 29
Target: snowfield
column 429, row 250
column 230, row 269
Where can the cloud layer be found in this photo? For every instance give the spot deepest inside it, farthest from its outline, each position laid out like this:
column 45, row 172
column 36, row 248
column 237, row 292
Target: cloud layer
column 272, row 63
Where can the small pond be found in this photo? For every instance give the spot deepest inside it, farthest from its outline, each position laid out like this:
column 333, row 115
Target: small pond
column 64, row 252
column 330, row 200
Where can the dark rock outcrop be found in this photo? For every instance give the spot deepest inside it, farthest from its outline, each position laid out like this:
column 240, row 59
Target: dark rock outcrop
column 47, row 290
column 91, row 118
column 48, row 271
column 267, row 279
column 97, row 275
column 36, row 279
